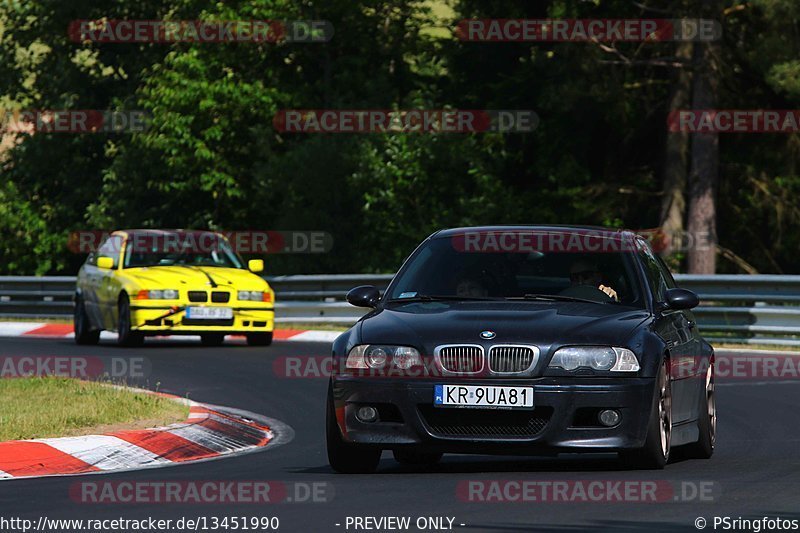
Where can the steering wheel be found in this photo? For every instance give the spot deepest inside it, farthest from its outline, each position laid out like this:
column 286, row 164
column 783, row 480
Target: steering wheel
column 587, row 292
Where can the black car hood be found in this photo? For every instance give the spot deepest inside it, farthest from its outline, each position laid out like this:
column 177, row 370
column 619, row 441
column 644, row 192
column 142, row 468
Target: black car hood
column 426, row 325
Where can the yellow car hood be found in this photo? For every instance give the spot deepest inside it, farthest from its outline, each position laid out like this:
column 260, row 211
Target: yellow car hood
column 177, row 277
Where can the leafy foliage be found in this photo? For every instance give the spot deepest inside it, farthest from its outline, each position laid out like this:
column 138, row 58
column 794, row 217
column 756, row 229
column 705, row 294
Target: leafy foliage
column 212, row 158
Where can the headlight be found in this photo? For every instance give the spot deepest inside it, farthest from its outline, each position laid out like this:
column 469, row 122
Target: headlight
column 255, row 296
column 375, row 356
column 405, row 357
column 158, row 294
column 607, row 358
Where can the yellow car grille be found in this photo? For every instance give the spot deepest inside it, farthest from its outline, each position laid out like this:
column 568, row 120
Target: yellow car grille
column 220, row 297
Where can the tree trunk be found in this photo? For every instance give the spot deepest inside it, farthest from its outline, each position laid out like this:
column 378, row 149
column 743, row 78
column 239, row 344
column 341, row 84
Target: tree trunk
column 673, row 203
column 702, row 224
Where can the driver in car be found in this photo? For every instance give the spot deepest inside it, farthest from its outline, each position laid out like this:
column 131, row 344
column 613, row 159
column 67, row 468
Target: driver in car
column 584, row 272
column 468, row 285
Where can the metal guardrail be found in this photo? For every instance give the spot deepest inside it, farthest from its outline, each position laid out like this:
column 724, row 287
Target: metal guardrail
column 36, row 297
column 758, row 309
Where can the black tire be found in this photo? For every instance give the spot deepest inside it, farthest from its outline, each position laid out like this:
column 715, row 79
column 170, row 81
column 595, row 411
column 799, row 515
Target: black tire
column 212, row 339
column 343, row 457
column 84, row 334
column 415, row 458
column 259, row 339
column 127, row 336
column 707, row 423
column 654, row 455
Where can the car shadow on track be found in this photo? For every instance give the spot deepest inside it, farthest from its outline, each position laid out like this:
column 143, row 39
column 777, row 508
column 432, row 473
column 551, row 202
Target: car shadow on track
column 473, row 464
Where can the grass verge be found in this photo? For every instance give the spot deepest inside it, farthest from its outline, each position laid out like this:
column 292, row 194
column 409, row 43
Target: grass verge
column 42, row 407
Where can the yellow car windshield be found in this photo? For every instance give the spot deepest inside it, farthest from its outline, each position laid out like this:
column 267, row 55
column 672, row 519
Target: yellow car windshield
column 182, row 251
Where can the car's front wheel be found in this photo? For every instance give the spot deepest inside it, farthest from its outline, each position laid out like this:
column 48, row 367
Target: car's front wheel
column 84, row 334
column 127, row 336
column 654, row 455
column 344, row 457
column 707, row 421
column 259, row 339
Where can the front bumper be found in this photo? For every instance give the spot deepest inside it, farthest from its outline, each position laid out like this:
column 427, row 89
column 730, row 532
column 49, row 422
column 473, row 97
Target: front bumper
column 561, row 421
column 171, row 320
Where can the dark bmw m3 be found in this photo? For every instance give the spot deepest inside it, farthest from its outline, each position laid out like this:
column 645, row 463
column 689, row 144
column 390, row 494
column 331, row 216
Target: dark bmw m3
column 523, row 340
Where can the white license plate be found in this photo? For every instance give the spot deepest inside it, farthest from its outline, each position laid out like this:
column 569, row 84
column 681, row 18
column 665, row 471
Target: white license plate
column 483, row 396
column 209, row 313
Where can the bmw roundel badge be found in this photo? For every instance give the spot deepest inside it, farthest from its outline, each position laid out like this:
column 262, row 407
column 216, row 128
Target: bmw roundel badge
column 488, row 334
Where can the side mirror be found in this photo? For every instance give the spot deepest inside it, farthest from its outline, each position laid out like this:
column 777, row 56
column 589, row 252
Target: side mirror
column 255, row 265
column 364, row 296
column 680, row 299
column 105, row 262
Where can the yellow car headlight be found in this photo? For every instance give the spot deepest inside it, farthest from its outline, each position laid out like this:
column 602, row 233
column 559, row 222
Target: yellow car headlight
column 157, row 294
column 255, row 296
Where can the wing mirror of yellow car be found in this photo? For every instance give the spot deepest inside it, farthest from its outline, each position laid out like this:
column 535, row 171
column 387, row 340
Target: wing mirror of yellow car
column 255, row 265
column 105, row 262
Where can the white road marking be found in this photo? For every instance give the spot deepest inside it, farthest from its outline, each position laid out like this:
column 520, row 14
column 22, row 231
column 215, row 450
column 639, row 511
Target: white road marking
column 105, row 452
column 315, row 336
column 204, row 437
column 212, row 440
column 20, row 329
column 17, row 329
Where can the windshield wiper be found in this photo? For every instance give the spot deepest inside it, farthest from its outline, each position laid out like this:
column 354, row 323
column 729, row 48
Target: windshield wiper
column 443, row 298
column 553, row 298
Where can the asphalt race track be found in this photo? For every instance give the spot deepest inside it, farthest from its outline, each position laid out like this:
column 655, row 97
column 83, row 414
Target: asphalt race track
column 755, row 471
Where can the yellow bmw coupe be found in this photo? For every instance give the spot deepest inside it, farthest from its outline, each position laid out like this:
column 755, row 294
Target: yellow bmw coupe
column 172, row 282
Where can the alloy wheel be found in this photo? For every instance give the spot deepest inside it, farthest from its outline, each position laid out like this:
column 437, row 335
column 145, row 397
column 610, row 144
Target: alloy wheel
column 665, row 412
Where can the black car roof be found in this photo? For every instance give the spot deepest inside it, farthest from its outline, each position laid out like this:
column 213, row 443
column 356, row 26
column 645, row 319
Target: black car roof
column 549, row 227
column 165, row 231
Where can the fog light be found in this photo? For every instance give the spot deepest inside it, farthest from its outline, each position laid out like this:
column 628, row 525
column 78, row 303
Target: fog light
column 609, row 417
column 367, row 414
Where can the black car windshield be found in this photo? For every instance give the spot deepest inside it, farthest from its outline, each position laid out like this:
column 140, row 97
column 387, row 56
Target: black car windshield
column 180, row 249
column 449, row 268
